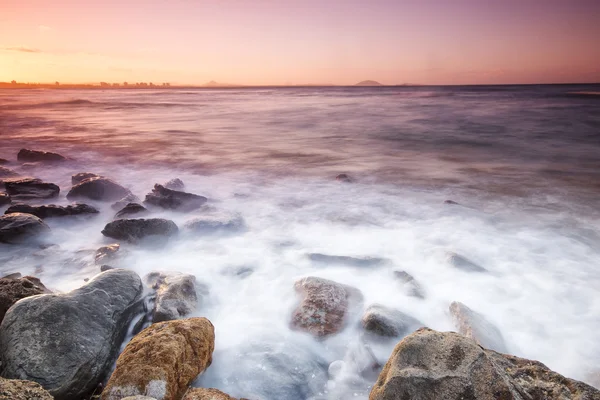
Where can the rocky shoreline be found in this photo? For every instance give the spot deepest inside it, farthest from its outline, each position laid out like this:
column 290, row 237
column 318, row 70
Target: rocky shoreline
column 65, row 345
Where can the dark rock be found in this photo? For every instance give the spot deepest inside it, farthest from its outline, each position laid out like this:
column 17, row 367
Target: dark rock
column 219, row 224
column 131, row 209
column 4, row 199
column 430, row 365
column 452, row 202
column 14, row 389
column 14, row 275
column 18, row 227
column 175, row 184
column 130, row 198
column 71, row 339
column 474, row 325
column 52, row 210
column 173, row 199
column 463, row 263
column 15, row 289
column 99, row 188
column 30, row 189
column 105, row 253
column 133, row 230
column 344, row 260
column 175, row 295
column 7, row 173
column 384, row 321
column 26, row 155
column 3, row 161
column 324, row 305
column 105, row 268
column 409, row 284
column 343, row 178
column 82, row 176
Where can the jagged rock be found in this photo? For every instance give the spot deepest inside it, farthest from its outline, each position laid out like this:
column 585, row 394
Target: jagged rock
column 343, row 178
column 67, row 342
column 430, row 365
column 98, row 188
column 131, row 209
column 30, row 189
column 410, row 285
column 474, row 325
column 17, row 288
column 26, row 155
column 216, row 224
column 206, row 394
column 52, row 210
column 175, row 184
column 14, row 389
column 130, row 198
column 18, row 227
column 162, row 360
column 463, row 263
column 4, row 199
column 7, row 173
column 345, row 260
column 175, row 295
column 133, row 230
column 173, row 199
column 82, row 176
column 324, row 305
column 105, row 253
column 385, row 321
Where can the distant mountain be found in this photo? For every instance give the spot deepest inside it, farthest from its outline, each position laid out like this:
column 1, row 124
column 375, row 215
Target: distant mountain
column 368, row 83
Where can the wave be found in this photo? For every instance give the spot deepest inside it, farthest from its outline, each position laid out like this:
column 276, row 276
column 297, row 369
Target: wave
column 91, row 104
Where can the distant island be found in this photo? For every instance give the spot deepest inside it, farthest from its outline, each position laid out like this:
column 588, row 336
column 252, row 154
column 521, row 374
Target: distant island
column 368, row 83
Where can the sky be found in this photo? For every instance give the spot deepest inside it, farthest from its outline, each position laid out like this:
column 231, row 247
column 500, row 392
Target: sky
column 281, row 42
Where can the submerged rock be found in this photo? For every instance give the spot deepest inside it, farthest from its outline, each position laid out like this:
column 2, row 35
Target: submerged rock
column 173, row 199
column 27, row 155
column 175, row 295
column 446, row 365
column 4, row 199
column 451, row 202
column 324, row 305
column 175, row 184
column 15, row 389
column 106, row 253
column 30, row 189
column 463, row 263
column 7, row 173
column 385, row 321
column 474, row 325
column 162, row 360
column 67, row 342
column 216, row 224
column 345, row 260
column 18, row 227
column 134, row 230
column 206, row 394
column 343, row 178
column 131, row 209
column 82, row 176
column 98, row 188
column 130, row 198
column 52, row 210
column 409, row 284
column 15, row 289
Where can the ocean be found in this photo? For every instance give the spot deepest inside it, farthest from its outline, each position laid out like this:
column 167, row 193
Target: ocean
column 522, row 162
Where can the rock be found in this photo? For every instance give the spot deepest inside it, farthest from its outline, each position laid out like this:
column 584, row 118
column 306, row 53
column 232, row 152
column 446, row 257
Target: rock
column 52, row 210
column 30, row 189
column 173, row 199
column 26, row 155
column 7, row 173
column 206, row 394
column 14, row 275
column 131, row 209
column 14, row 389
column 444, row 365
column 130, row 198
column 410, row 285
column 82, row 176
column 4, row 199
column 15, row 289
column 3, row 161
column 106, row 268
column 344, row 260
column 133, row 230
column 18, row 227
column 473, row 325
column 138, row 398
column 324, row 305
column 242, row 271
column 67, row 342
column 105, row 253
column 463, row 263
column 343, row 178
column 452, row 202
column 162, row 360
column 216, row 224
column 175, row 295
column 175, row 184
column 385, row 321
column 99, row 188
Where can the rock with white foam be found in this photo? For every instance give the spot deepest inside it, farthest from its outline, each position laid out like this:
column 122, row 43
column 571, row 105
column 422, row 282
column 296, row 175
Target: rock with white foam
column 475, row 326
column 176, row 295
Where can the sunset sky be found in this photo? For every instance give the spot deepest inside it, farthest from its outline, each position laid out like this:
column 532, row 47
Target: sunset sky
column 300, row 42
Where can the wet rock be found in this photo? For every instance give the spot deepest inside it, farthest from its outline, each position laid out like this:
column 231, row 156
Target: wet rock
column 173, row 199
column 175, row 295
column 14, row 389
column 106, row 253
column 344, row 260
column 206, row 394
column 409, row 284
column 106, row 268
column 26, row 155
column 7, row 173
column 18, row 227
column 219, row 224
column 49, row 211
column 175, row 184
column 3, row 161
column 452, row 202
column 324, row 305
column 138, row 398
column 131, row 209
column 343, row 178
column 4, row 199
column 463, row 263
column 99, row 188
column 133, row 230
column 67, row 342
column 474, row 325
column 445, row 365
column 15, row 289
column 385, row 321
column 14, row 275
column 30, row 189
column 130, row 198
column 162, row 360
column 82, row 176
column 355, row 373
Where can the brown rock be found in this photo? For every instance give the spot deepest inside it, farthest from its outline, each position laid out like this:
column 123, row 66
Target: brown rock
column 13, row 290
column 52, row 210
column 15, row 389
column 98, row 188
column 105, row 253
column 206, row 394
column 174, row 199
column 474, row 325
column 82, row 176
column 30, row 189
column 162, row 360
column 36, row 155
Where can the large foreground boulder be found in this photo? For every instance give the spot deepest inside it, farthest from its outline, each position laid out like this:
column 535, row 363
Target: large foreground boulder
column 14, row 389
column 98, row 188
column 175, row 295
column 174, row 199
column 324, row 305
column 68, row 342
column 474, row 325
column 206, row 394
column 15, row 289
column 430, row 365
column 49, row 211
column 19, row 227
column 134, row 230
column 30, row 189
column 27, row 155
column 162, row 360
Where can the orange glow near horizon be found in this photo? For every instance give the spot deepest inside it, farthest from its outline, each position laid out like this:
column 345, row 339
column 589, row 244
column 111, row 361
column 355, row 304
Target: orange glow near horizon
column 266, row 42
